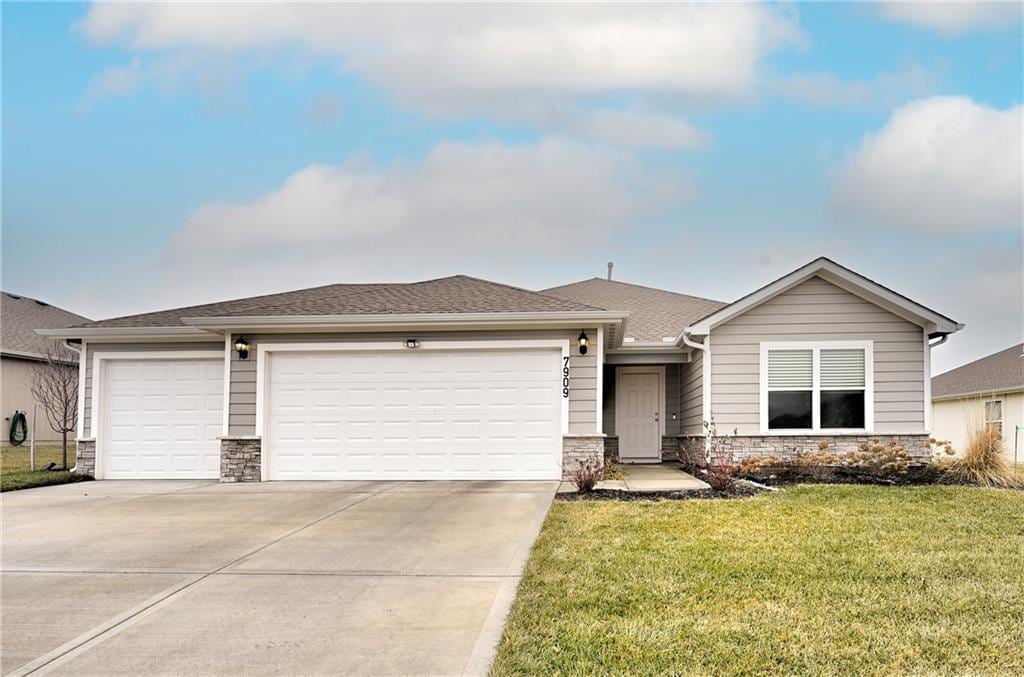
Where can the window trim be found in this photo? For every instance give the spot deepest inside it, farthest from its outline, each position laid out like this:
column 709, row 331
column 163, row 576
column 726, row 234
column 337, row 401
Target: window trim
column 816, row 347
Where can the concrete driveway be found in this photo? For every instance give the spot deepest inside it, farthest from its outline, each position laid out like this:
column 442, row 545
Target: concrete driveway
column 275, row 578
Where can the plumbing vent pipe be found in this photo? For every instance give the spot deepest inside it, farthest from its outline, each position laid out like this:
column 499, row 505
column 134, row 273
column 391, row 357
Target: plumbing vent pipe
column 611, row 264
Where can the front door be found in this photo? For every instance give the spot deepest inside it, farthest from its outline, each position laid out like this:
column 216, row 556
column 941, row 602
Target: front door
column 637, row 422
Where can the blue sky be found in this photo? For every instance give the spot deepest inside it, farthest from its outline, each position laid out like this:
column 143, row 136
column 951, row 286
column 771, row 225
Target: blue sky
column 156, row 156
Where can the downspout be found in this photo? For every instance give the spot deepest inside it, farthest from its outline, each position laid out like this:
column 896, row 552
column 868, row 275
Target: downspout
column 705, row 386
column 81, row 384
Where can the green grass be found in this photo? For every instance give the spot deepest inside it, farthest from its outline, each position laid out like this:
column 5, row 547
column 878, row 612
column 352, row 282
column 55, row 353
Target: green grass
column 16, row 458
column 811, row 580
column 14, row 472
column 27, row 479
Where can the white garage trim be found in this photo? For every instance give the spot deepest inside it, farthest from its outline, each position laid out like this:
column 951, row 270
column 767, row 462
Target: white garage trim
column 99, row 361
column 264, row 350
column 224, row 428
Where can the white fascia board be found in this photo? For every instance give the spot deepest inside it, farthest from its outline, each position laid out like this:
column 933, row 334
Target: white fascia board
column 845, row 279
column 130, row 334
column 997, row 392
column 407, row 321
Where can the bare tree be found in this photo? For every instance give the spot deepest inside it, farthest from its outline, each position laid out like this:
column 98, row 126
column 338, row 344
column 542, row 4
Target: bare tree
column 55, row 386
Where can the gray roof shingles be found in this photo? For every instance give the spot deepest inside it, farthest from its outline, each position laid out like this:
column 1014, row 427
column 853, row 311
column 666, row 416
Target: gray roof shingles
column 1002, row 371
column 654, row 314
column 455, row 294
column 20, row 316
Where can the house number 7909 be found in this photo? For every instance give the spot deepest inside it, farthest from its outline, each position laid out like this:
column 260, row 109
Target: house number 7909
column 565, row 377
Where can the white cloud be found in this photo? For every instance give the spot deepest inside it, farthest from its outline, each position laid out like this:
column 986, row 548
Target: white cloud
column 488, row 200
column 887, row 89
column 940, row 165
column 953, row 17
column 117, row 81
column 479, row 56
column 638, row 129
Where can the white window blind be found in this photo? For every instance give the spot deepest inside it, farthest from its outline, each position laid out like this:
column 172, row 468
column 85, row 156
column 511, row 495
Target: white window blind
column 790, row 369
column 842, row 368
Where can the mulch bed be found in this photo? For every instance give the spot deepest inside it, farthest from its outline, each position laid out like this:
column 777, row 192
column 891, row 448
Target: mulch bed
column 739, row 491
column 914, row 475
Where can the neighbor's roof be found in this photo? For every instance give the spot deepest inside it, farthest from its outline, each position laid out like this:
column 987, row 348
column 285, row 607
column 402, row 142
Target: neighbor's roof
column 654, row 314
column 20, row 316
column 998, row 372
column 455, row 294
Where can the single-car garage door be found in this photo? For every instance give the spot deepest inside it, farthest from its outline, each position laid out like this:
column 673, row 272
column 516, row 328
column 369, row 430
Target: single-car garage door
column 415, row 414
column 161, row 419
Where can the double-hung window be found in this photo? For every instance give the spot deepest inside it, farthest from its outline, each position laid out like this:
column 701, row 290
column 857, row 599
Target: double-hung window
column 817, row 386
column 994, row 415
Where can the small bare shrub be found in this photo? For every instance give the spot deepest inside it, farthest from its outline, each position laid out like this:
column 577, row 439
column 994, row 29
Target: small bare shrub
column 721, row 471
column 983, row 462
column 691, row 455
column 611, row 470
column 817, row 465
column 878, row 459
column 756, row 465
column 586, row 476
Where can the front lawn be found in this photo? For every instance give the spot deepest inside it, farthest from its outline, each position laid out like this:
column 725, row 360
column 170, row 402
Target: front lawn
column 812, row 579
column 17, row 458
column 12, row 480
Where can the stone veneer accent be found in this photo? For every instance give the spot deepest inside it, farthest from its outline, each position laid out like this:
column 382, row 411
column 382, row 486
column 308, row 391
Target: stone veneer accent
column 240, row 459
column 576, row 448
column 789, row 446
column 85, row 457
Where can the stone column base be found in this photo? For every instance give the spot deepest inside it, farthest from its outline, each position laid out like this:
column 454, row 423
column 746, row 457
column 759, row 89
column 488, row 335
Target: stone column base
column 240, row 459
column 85, row 457
column 581, row 448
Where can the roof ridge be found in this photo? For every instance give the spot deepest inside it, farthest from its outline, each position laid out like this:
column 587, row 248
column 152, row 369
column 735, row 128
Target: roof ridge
column 529, row 291
column 639, row 286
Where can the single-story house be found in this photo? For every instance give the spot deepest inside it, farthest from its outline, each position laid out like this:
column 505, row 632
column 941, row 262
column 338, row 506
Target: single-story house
column 989, row 391
column 461, row 378
column 21, row 349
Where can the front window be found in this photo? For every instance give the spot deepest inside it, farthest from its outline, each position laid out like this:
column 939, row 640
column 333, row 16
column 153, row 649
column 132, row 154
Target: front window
column 816, row 386
column 994, row 415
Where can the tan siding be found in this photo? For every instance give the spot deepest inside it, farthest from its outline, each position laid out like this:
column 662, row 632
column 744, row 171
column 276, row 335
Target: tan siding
column 93, row 348
column 817, row 310
column 582, row 371
column 16, row 395
column 691, row 417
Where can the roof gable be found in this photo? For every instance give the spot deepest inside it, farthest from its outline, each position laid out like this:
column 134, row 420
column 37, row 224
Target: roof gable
column 997, row 372
column 654, row 314
column 842, row 277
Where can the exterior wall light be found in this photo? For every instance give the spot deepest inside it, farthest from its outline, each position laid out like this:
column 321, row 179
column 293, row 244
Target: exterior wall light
column 242, row 346
column 584, row 342
column 412, row 343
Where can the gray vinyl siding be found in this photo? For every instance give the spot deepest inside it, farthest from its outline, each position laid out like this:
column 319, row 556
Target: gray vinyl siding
column 817, row 310
column 672, row 411
column 582, row 371
column 93, row 348
column 691, row 394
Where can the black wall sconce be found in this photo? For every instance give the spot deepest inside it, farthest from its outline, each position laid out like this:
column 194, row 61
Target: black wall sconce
column 584, row 342
column 412, row 343
column 242, row 346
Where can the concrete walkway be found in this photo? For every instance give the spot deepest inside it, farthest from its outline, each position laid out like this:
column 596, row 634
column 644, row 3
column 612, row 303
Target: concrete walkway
column 200, row 578
column 648, row 478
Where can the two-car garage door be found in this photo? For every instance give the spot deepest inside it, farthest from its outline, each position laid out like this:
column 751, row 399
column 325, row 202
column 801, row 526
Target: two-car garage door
column 414, row 414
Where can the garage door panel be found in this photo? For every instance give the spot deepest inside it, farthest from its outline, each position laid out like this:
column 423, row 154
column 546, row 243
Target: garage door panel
column 162, row 419
column 470, row 414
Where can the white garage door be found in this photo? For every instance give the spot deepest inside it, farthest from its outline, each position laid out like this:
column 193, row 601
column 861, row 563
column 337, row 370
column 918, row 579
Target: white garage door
column 428, row 414
column 162, row 419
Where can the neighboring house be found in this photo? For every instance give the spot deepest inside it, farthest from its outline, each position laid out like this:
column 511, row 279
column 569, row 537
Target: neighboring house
column 21, row 349
column 460, row 378
column 989, row 391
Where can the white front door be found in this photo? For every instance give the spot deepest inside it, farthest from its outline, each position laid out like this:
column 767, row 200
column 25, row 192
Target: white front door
column 160, row 419
column 472, row 414
column 637, row 419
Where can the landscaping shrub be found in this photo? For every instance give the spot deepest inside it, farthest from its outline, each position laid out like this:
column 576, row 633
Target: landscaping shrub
column 872, row 461
column 983, row 462
column 878, row 459
column 611, row 470
column 586, row 475
column 721, row 473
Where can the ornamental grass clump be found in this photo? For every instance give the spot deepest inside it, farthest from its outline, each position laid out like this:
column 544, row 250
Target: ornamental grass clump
column 983, row 462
